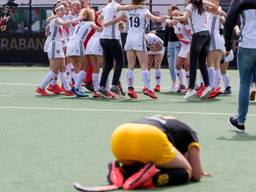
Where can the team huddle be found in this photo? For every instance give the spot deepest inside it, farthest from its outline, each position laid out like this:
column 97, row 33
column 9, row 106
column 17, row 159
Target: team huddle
column 81, row 41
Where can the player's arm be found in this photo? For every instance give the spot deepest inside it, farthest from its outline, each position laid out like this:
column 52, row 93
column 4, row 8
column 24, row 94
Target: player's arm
column 184, row 17
column 97, row 28
column 116, row 20
column 156, row 18
column 48, row 20
column 129, row 7
column 60, row 21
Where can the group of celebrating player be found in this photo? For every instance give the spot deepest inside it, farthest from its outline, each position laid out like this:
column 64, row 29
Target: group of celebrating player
column 81, row 41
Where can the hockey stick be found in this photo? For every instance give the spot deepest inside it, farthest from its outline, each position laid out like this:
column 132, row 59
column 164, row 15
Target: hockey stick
column 79, row 187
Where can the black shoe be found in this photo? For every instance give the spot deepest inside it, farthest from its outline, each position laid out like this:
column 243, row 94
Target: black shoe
column 227, row 91
column 89, row 86
column 234, row 122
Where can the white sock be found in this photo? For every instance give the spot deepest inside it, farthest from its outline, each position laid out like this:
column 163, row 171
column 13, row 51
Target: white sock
column 95, row 81
column 107, row 87
column 226, row 80
column 130, row 77
column 180, row 76
column 146, row 79
column 54, row 80
column 69, row 72
column 217, row 78
column 50, row 75
column 64, row 81
column 212, row 76
column 158, row 76
column 75, row 76
column 80, row 79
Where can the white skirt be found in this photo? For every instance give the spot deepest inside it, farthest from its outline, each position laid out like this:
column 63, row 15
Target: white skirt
column 55, row 50
column 161, row 52
column 75, row 47
column 94, row 47
column 217, row 42
column 185, row 49
column 46, row 44
column 135, row 42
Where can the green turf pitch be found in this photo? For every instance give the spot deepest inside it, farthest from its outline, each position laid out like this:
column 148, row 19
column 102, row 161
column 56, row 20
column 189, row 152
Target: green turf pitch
column 46, row 144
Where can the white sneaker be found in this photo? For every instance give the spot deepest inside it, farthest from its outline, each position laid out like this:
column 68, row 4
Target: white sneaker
column 206, row 91
column 174, row 89
column 190, row 93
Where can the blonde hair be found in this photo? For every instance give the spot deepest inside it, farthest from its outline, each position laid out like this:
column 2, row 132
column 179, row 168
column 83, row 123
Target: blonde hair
column 87, row 14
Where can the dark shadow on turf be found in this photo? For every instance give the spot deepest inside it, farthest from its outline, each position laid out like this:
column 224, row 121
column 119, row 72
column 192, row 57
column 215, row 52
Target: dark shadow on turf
column 198, row 100
column 240, row 136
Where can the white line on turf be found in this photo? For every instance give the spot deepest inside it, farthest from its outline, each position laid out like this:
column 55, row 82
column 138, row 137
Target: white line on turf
column 117, row 110
column 6, row 95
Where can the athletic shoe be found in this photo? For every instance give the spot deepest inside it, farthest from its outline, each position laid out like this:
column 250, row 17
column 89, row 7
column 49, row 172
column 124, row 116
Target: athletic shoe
column 54, row 89
column 115, row 175
column 132, row 94
column 200, row 90
column 189, row 94
column 214, row 93
column 206, row 91
column 174, row 89
column 96, row 95
column 61, row 88
column 68, row 93
column 227, row 91
column 157, row 88
column 78, row 93
column 142, row 177
column 252, row 95
column 42, row 92
column 234, row 122
column 105, row 93
column 121, row 88
column 116, row 91
column 89, row 86
column 181, row 89
column 150, row 93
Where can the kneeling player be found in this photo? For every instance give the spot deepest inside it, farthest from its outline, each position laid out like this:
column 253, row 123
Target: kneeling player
column 154, row 151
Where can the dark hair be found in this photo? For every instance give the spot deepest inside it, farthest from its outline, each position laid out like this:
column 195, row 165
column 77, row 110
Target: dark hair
column 198, row 5
column 173, row 8
column 54, row 7
column 137, row 2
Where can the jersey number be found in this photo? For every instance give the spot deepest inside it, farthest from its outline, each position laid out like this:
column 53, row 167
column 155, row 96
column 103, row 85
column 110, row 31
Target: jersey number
column 134, row 21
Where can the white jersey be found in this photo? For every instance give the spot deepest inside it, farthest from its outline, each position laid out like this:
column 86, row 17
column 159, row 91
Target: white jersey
column 213, row 23
column 71, row 17
column 109, row 13
column 183, row 33
column 82, row 30
column 198, row 22
column 248, row 29
column 55, row 31
column 137, row 21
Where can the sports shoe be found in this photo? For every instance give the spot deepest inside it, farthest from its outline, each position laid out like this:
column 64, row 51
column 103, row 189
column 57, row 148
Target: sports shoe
column 115, row 175
column 96, row 95
column 54, row 89
column 214, row 93
column 132, row 94
column 206, row 91
column 227, row 91
column 157, row 88
column 89, row 86
column 105, row 93
column 142, row 177
column 252, row 95
column 41, row 92
column 68, row 93
column 78, row 93
column 200, row 90
column 174, row 89
column 150, row 93
column 234, row 122
column 116, row 91
column 189, row 94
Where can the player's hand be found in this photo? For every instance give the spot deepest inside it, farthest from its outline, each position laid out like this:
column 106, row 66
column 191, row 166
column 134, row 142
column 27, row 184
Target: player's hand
column 226, row 53
column 205, row 174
